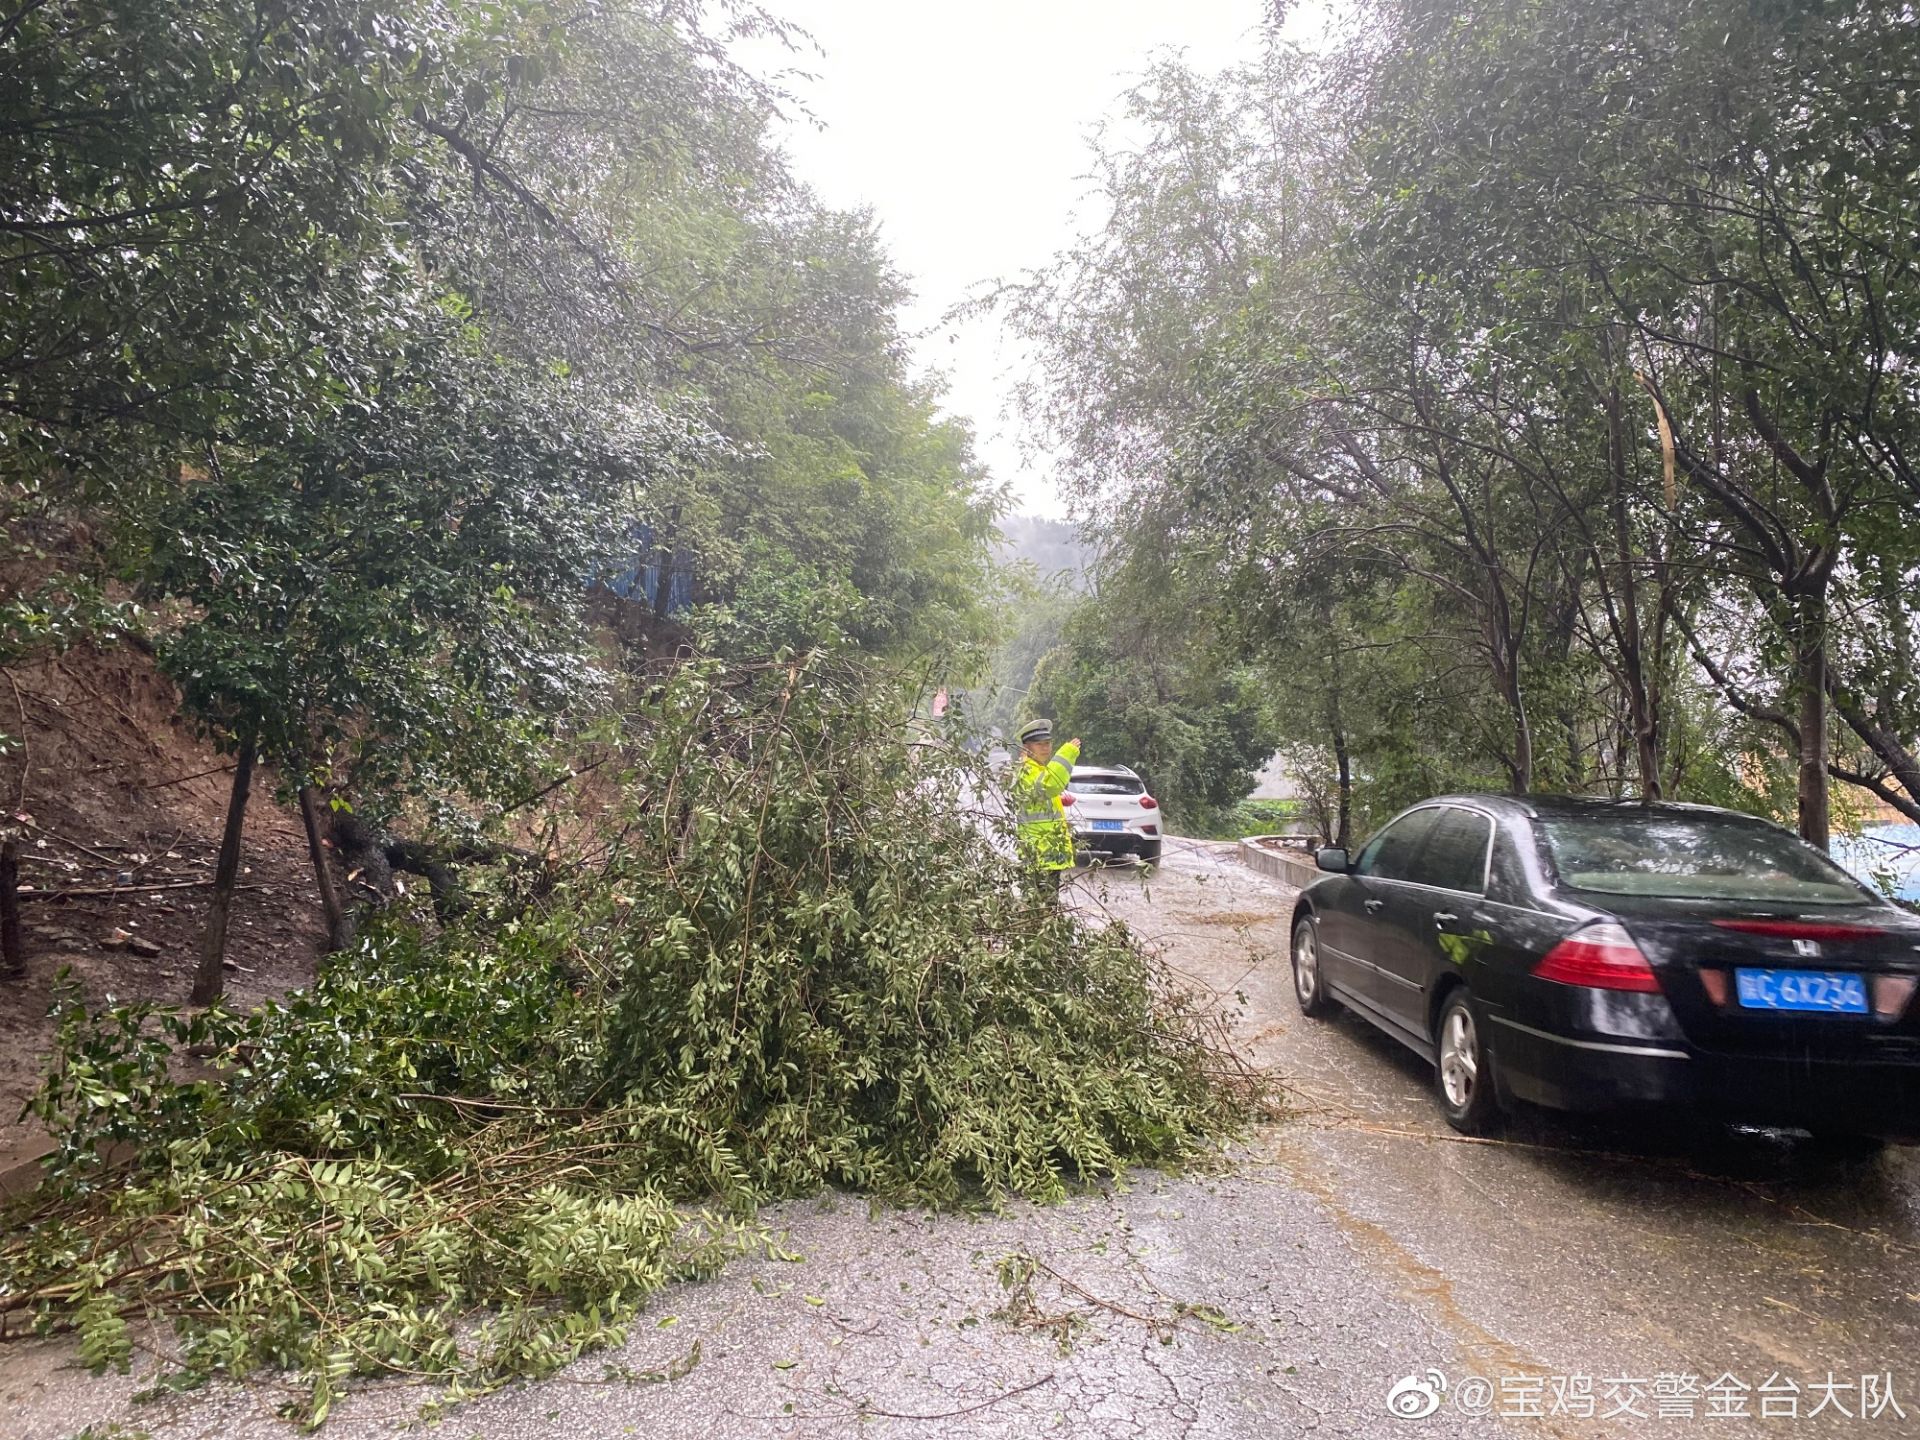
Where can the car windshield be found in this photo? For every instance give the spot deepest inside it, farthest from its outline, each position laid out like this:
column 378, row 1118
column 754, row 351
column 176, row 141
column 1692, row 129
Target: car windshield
column 1099, row 784
column 1686, row 857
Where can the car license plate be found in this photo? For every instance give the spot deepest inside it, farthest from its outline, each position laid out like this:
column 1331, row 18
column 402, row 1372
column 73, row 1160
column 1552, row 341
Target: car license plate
column 1109, row 824
column 1823, row 991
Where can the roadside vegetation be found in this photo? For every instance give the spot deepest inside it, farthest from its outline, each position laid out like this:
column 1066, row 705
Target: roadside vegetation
column 471, row 1155
column 517, row 470
column 1256, row 817
column 509, row 464
column 389, row 370
column 1527, row 395
column 1132, row 682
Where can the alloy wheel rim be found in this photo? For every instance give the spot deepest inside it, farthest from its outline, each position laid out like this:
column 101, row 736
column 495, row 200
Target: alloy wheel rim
column 1459, row 1065
column 1306, row 965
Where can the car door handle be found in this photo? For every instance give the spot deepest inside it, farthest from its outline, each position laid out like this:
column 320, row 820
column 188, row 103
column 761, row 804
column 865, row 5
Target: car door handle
column 1443, row 918
column 1374, row 905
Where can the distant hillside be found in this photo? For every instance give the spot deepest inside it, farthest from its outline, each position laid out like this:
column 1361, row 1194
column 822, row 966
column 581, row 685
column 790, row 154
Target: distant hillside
column 1053, row 547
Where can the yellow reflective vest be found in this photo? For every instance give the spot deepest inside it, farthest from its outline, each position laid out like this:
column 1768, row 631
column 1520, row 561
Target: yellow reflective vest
column 1046, row 840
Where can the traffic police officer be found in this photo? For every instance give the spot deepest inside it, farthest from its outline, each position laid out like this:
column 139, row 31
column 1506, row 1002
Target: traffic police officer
column 1045, row 838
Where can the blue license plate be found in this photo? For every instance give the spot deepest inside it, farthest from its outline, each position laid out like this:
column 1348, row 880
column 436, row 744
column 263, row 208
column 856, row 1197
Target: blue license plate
column 1825, row 992
column 1109, row 824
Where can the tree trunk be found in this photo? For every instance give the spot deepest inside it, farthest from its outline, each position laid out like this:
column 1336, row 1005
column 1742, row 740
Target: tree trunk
column 1522, row 766
column 1346, row 798
column 669, row 538
column 210, row 978
column 13, row 960
column 1628, row 639
column 1811, row 675
column 1345, row 806
column 1504, row 648
column 339, row 936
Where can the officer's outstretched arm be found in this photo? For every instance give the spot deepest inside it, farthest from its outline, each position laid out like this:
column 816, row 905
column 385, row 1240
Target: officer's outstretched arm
column 1060, row 768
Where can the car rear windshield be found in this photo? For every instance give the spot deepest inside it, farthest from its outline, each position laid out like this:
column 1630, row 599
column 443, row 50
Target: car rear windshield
column 1106, row 785
column 1680, row 857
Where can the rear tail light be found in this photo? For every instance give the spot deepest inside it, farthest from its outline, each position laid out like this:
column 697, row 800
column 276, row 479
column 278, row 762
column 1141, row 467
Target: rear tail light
column 1602, row 956
column 1801, row 929
column 1066, row 799
column 1147, row 802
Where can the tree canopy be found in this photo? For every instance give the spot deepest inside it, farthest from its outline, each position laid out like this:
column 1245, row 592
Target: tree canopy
column 364, row 339
column 1529, row 387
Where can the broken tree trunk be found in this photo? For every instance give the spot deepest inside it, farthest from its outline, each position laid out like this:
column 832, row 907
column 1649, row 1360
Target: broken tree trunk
column 371, row 858
column 208, row 980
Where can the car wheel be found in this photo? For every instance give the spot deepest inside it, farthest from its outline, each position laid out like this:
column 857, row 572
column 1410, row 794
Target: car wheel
column 1463, row 1070
column 1309, row 981
column 1150, row 854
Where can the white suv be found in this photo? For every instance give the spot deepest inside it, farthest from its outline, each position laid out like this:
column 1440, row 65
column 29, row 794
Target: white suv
column 1112, row 815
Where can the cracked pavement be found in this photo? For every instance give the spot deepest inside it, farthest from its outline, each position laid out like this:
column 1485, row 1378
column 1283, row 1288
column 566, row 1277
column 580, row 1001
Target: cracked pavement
column 1353, row 1243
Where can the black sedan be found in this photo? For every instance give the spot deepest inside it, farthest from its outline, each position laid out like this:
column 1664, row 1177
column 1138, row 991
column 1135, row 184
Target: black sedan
column 1595, row 955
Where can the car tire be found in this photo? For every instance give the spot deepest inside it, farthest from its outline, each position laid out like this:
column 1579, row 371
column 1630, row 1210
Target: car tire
column 1150, row 854
column 1309, row 977
column 1463, row 1068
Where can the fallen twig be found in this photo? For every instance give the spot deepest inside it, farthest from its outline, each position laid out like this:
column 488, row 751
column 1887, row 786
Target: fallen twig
column 470, row 1103
column 183, row 779
column 867, row 1409
column 861, row 1409
column 546, row 790
column 56, row 835
column 124, row 890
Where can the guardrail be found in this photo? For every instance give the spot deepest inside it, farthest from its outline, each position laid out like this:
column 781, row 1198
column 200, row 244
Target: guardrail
column 1294, row 868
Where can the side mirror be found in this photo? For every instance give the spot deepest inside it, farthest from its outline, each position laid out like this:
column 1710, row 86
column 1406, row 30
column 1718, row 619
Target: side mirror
column 1332, row 859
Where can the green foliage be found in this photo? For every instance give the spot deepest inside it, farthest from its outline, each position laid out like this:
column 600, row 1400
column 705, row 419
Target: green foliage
column 1370, row 352
column 839, row 474
column 1035, row 619
column 368, row 335
column 804, row 964
column 63, row 611
column 1253, row 817
column 1142, row 691
column 403, row 588
column 780, row 602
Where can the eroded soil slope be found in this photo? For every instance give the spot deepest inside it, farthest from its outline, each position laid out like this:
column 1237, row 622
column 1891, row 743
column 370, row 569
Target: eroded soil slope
column 119, row 810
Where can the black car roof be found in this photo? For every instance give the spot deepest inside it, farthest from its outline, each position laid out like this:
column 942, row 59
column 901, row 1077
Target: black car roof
column 1535, row 807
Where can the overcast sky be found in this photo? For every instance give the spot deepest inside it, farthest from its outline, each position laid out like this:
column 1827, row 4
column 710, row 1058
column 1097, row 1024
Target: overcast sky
column 964, row 128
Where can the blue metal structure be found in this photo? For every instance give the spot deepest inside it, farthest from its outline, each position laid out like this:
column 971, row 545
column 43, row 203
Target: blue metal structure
column 640, row 575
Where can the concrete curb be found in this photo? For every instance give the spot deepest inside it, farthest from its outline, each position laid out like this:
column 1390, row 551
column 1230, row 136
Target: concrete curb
column 1277, row 865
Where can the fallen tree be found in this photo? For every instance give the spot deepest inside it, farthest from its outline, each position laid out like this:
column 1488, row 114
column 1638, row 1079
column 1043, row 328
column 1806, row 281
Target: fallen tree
column 473, row 1155
column 372, row 856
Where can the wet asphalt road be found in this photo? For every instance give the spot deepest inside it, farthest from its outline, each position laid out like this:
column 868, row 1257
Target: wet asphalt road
column 1581, row 1249
column 1349, row 1245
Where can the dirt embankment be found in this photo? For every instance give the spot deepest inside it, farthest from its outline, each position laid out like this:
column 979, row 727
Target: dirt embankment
column 119, row 811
